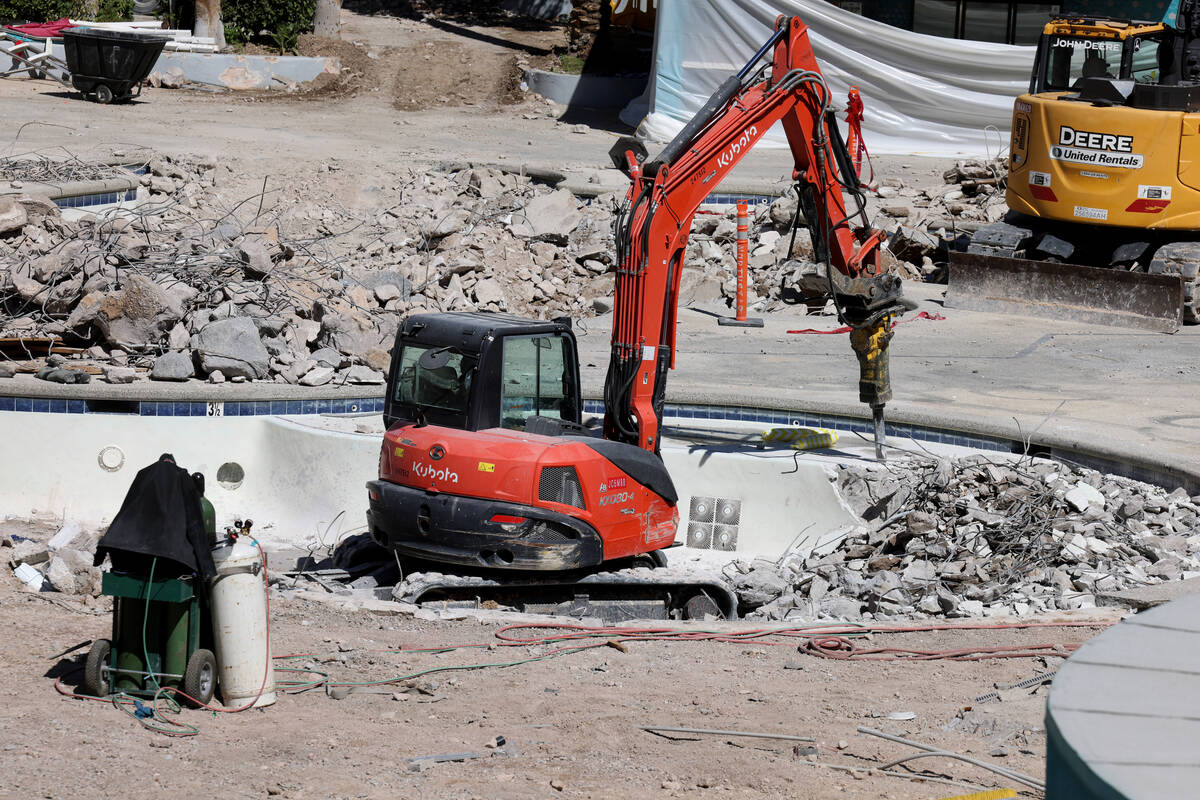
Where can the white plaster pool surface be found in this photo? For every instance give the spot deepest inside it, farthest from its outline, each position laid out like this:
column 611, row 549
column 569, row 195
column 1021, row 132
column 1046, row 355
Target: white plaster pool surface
column 301, row 478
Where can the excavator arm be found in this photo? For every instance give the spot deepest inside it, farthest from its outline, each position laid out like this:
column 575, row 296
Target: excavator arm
column 653, row 227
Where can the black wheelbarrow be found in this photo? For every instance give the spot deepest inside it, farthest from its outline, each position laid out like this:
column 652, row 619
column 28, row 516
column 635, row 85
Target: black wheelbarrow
column 108, row 65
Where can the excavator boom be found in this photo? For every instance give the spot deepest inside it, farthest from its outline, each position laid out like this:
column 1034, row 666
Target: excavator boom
column 653, row 228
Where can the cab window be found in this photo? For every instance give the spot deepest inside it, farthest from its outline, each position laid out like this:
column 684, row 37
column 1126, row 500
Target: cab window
column 538, row 379
column 1071, row 59
column 1145, row 59
column 444, row 388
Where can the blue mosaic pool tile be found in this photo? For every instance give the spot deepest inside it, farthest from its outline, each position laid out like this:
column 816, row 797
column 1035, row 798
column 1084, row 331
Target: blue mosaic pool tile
column 262, row 407
column 41, row 405
column 23, row 404
column 293, row 407
column 77, row 407
column 8, row 404
column 58, row 406
column 198, row 409
column 181, row 408
column 309, row 407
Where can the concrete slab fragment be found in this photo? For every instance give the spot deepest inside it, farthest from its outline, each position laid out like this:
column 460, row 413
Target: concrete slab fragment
column 1149, row 596
column 234, row 71
column 240, row 72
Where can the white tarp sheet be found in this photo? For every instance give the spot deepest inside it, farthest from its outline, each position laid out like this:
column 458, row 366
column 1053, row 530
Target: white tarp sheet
column 923, row 95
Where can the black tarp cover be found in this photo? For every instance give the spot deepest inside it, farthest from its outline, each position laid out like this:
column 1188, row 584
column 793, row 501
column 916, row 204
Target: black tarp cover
column 161, row 517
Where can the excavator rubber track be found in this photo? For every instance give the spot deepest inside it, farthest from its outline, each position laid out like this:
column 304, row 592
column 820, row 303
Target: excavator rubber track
column 614, row 596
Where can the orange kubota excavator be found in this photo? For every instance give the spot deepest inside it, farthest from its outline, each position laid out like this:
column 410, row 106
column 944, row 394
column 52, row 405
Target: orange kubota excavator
column 485, row 464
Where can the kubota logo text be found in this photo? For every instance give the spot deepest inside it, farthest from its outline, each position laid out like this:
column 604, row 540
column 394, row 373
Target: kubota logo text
column 726, row 158
column 424, row 470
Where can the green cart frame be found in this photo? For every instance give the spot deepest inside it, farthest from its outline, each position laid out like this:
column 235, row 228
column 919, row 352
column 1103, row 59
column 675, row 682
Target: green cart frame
column 161, row 637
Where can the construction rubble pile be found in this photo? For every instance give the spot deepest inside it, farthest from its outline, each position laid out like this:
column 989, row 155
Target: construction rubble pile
column 60, row 563
column 982, row 537
column 925, row 223
column 188, row 284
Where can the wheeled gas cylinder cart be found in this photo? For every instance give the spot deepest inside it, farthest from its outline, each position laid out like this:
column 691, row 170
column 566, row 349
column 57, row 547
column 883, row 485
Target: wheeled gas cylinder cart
column 160, row 546
column 161, row 637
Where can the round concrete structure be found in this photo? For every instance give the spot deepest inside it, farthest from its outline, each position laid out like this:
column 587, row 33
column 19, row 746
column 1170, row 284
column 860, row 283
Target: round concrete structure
column 1123, row 718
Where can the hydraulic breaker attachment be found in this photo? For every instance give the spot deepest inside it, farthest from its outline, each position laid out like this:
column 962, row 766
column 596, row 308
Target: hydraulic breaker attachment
column 870, row 344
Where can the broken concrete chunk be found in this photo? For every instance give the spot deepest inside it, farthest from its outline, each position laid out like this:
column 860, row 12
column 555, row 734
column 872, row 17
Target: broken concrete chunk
column 255, row 253
column 549, row 217
column 115, row 374
column 232, row 346
column 362, row 375
column 1082, row 495
column 61, row 375
column 172, row 366
column 351, row 333
column 317, row 376
column 136, row 315
column 12, row 215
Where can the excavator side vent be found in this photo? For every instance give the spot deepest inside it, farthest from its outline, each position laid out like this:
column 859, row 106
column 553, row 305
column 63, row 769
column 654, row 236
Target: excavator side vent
column 560, row 485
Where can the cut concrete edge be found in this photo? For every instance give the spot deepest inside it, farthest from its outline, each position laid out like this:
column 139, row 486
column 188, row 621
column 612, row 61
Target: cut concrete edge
column 1062, row 438
column 241, row 72
column 54, row 191
column 586, row 91
column 237, row 71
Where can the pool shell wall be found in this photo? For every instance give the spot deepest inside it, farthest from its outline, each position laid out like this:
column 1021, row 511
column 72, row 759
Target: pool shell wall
column 302, row 482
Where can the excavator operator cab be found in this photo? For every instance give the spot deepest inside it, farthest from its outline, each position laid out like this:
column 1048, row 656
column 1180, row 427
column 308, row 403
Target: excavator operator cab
column 1111, row 62
column 478, row 370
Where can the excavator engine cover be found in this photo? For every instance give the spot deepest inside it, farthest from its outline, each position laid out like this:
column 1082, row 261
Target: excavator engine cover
column 506, row 499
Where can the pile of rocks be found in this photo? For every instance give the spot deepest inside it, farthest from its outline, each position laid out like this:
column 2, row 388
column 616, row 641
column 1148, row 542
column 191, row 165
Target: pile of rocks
column 311, row 293
column 192, row 284
column 62, row 562
column 978, row 536
column 925, row 223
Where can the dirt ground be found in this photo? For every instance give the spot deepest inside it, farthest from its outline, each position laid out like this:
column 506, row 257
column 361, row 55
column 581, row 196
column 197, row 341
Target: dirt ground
column 420, row 92
column 571, row 724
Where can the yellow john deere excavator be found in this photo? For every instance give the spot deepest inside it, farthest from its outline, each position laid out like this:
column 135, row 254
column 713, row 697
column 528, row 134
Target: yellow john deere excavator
column 1104, row 180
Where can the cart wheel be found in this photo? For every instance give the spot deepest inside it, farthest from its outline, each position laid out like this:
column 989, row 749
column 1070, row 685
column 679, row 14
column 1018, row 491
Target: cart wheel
column 104, row 94
column 94, row 680
column 200, row 678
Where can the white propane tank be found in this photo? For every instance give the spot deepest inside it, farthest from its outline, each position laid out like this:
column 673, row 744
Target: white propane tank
column 239, row 615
